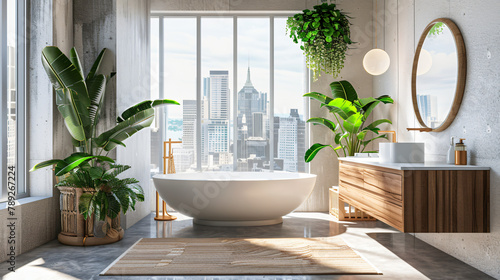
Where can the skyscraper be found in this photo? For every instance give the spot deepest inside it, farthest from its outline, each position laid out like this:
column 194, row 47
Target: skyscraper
column 189, row 124
column 258, row 124
column 250, row 101
column 219, row 95
column 287, row 143
column 215, row 129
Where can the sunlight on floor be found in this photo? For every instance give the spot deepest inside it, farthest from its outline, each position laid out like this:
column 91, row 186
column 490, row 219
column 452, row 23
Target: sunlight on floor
column 34, row 268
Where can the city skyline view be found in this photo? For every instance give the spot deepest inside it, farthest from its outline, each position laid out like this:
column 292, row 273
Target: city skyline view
column 221, row 121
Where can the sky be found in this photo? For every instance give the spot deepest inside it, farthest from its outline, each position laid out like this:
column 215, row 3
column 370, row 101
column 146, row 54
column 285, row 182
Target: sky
column 217, row 54
column 441, row 79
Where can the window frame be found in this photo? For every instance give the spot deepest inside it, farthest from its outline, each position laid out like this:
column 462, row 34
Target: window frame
column 198, row 15
column 20, row 111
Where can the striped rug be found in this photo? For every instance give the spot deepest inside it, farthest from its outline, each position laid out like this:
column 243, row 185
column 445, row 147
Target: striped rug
column 239, row 256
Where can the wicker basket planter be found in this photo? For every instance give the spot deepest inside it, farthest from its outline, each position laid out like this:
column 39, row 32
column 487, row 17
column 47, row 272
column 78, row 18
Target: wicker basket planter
column 75, row 230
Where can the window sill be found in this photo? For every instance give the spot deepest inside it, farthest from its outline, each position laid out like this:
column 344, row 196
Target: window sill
column 22, row 201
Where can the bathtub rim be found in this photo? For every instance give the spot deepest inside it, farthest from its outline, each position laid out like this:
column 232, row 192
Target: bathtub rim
column 171, row 177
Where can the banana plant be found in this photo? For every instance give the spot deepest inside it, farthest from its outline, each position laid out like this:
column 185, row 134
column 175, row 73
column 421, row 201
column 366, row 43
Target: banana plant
column 80, row 100
column 350, row 131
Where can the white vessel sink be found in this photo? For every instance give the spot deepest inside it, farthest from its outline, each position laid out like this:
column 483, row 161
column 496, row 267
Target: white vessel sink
column 402, row 152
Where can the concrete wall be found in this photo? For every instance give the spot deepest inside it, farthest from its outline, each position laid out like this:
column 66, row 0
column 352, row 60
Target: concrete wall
column 478, row 22
column 133, row 83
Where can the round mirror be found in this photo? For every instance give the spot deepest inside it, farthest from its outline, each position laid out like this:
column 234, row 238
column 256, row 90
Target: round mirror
column 438, row 76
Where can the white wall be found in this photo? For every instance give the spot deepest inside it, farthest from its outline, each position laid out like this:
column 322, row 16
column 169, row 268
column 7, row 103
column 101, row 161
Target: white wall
column 478, row 22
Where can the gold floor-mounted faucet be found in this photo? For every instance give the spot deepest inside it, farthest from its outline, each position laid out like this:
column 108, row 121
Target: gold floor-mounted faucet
column 390, row 132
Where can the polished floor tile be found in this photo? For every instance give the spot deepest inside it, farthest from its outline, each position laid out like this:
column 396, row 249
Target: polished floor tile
column 395, row 254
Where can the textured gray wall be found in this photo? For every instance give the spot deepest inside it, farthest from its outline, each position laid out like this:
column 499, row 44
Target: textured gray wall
column 133, row 83
column 479, row 113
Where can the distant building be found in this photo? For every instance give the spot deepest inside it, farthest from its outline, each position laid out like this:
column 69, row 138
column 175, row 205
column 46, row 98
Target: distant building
column 287, row 143
column 258, row 124
column 427, row 105
column 189, row 112
column 11, row 107
column 251, row 122
column 219, row 97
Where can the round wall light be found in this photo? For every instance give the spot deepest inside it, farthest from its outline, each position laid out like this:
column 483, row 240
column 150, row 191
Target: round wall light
column 424, row 62
column 376, row 62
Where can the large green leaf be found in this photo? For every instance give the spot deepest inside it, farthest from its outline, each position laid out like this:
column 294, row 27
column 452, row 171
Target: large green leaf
column 97, row 90
column 376, row 123
column 96, row 66
column 343, row 89
column 353, row 123
column 325, row 122
column 85, row 204
column 75, row 113
column 125, row 129
column 144, row 105
column 314, row 149
column 63, row 73
column 73, row 56
column 342, row 107
column 46, row 164
column 319, row 96
column 75, row 160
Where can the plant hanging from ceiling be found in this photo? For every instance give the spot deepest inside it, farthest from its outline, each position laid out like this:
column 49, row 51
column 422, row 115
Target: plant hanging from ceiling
column 324, row 36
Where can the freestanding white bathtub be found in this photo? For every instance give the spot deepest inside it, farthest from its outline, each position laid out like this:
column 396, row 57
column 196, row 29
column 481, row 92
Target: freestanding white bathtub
column 235, row 198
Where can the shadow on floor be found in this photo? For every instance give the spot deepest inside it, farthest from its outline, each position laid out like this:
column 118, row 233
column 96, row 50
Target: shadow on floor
column 428, row 260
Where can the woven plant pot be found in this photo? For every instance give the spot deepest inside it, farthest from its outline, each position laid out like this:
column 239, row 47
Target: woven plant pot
column 77, row 231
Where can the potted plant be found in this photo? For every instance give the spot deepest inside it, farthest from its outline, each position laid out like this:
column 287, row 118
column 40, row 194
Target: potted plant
column 350, row 133
column 324, row 36
column 89, row 182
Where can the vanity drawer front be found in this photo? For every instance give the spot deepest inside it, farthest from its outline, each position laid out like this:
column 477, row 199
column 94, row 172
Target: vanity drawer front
column 381, row 207
column 383, row 183
column 351, row 174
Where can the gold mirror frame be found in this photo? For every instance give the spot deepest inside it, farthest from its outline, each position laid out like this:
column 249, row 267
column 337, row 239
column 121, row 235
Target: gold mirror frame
column 462, row 71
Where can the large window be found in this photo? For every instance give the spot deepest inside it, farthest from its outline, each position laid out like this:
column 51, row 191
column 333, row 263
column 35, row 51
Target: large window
column 240, row 82
column 12, row 111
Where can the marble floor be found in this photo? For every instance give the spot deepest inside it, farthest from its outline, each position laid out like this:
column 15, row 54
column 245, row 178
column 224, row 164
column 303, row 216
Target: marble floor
column 395, row 254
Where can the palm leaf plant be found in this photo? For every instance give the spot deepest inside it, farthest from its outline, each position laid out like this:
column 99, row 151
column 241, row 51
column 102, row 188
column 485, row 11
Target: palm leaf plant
column 351, row 134
column 324, row 37
column 80, row 100
column 105, row 194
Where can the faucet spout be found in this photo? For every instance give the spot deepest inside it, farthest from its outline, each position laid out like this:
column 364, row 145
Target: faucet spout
column 390, row 132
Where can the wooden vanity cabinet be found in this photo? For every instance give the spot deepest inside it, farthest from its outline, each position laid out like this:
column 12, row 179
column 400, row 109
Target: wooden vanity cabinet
column 419, row 200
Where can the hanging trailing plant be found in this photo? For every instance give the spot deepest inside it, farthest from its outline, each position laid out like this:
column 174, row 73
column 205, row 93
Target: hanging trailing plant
column 324, row 36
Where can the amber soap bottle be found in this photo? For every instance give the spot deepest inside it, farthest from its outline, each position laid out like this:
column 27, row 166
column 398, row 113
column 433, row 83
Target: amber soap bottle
column 460, row 153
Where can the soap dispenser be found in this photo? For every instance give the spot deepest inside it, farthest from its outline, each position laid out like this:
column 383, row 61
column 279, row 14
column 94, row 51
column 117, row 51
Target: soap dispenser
column 461, row 153
column 451, row 151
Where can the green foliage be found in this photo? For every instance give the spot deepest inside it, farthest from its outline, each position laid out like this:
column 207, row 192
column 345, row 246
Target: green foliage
column 350, row 132
column 324, row 35
column 80, row 101
column 104, row 195
column 436, row 29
